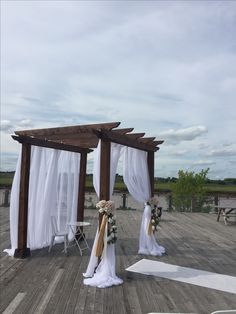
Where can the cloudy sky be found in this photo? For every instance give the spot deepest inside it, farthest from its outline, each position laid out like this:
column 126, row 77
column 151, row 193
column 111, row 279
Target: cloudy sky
column 167, row 68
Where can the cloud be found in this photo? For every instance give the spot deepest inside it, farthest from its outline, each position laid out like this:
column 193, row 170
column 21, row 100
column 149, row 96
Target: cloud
column 164, row 68
column 8, row 161
column 204, row 163
column 186, row 134
column 24, row 124
column 222, row 152
column 180, row 152
column 11, row 126
column 6, row 126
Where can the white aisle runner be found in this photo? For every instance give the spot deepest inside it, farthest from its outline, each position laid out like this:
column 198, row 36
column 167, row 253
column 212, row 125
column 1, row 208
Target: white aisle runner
column 184, row 274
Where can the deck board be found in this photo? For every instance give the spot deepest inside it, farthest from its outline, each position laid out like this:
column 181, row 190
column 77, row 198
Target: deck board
column 53, row 282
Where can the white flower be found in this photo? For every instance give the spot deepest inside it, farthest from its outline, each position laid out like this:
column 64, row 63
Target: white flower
column 110, row 205
column 109, row 238
column 154, row 201
column 101, row 204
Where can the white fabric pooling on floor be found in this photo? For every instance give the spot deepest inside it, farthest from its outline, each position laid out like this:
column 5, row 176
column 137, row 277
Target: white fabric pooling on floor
column 184, row 274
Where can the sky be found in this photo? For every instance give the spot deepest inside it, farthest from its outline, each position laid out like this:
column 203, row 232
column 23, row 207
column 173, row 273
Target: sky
column 166, row 68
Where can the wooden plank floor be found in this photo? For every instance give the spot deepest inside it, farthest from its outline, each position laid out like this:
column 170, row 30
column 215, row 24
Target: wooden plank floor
column 53, row 283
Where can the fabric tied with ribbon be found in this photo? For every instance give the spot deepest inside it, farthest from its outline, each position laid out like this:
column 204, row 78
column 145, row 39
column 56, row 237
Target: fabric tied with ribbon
column 100, row 240
column 149, row 230
column 147, row 241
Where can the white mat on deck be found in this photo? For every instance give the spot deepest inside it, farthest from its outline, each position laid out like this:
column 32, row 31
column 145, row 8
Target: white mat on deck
column 184, row 274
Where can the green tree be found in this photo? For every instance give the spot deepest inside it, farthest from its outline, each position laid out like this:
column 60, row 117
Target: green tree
column 188, row 191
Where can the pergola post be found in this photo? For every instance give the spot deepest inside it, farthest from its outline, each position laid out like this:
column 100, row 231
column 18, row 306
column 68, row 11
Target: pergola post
column 104, row 172
column 22, row 251
column 81, row 192
column 150, row 160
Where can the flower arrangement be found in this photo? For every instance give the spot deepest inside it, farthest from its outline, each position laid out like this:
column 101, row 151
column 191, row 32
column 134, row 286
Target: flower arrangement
column 155, row 214
column 153, row 201
column 106, row 207
column 154, row 219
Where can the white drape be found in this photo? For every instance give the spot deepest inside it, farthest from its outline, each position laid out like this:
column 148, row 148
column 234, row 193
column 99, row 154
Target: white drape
column 105, row 275
column 136, row 178
column 115, row 155
column 53, row 190
column 147, row 243
column 135, row 174
column 14, row 205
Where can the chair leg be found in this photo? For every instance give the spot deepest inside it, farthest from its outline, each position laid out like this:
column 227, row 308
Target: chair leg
column 65, row 243
column 51, row 244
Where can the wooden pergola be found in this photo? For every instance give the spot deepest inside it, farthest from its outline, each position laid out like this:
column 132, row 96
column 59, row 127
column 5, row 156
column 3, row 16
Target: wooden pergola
column 80, row 139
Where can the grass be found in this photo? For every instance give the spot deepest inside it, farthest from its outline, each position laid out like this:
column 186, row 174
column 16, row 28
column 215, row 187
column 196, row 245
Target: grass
column 7, row 177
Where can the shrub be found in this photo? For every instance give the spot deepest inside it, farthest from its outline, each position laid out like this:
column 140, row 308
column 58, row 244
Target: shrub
column 188, row 191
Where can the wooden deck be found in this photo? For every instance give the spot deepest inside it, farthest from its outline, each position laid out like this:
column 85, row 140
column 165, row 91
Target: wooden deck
column 53, row 283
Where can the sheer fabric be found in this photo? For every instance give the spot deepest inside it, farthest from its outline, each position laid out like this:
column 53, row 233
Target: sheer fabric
column 14, row 205
column 53, row 190
column 147, row 243
column 103, row 275
column 136, row 178
column 135, row 174
column 116, row 150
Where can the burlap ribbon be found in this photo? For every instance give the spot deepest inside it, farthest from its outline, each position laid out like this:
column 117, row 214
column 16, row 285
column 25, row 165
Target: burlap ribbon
column 100, row 240
column 149, row 231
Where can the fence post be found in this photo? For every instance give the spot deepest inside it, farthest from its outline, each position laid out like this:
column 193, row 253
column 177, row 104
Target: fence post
column 170, row 202
column 6, row 198
column 216, row 203
column 124, row 197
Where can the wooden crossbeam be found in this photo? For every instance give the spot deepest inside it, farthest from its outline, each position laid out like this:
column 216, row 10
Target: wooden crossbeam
column 124, row 140
column 50, row 144
column 82, row 143
column 135, row 136
column 79, row 135
column 68, row 129
column 123, row 131
column 158, row 142
column 147, row 139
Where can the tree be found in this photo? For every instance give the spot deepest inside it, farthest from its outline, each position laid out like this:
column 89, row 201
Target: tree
column 188, row 191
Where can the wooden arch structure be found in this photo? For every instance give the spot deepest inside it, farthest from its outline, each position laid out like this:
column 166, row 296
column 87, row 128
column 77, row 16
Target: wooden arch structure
column 80, row 139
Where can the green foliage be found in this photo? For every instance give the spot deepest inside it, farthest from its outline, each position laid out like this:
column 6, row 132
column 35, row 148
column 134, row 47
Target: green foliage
column 188, row 192
column 227, row 185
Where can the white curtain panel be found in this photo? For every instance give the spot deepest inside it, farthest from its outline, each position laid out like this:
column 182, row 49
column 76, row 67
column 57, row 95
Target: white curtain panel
column 137, row 180
column 147, row 243
column 135, row 174
column 105, row 275
column 53, row 191
column 115, row 155
column 96, row 168
column 14, row 205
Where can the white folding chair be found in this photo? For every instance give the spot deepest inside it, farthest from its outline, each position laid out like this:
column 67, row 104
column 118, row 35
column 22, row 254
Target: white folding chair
column 58, row 233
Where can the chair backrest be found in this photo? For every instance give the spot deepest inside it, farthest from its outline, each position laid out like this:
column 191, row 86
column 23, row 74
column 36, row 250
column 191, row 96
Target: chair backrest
column 63, row 220
column 54, row 225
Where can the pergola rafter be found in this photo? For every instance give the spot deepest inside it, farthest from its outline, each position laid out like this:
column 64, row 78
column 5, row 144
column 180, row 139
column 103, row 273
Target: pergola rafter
column 79, row 139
